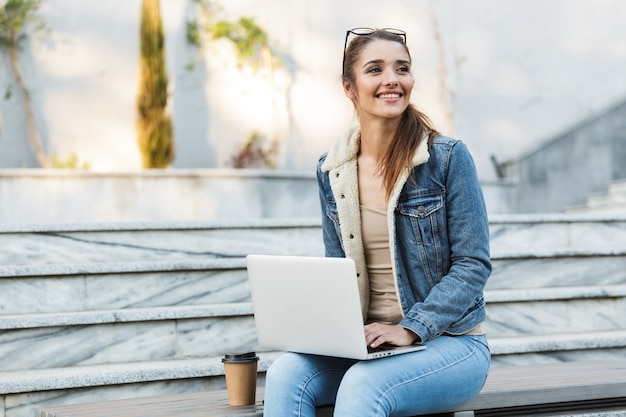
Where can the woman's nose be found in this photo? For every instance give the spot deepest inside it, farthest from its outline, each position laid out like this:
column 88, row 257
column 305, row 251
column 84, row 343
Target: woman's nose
column 391, row 78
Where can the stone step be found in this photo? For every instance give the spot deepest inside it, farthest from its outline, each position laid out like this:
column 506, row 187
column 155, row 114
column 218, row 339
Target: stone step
column 136, row 242
column 30, row 390
column 31, row 289
column 139, row 242
column 554, row 311
column 109, row 337
column 87, row 287
column 611, row 201
column 546, row 231
column 23, row 392
column 618, row 187
column 504, row 351
column 566, row 347
column 129, row 335
column 605, row 210
column 84, row 318
column 615, row 194
column 22, row 381
column 494, row 298
column 556, row 267
column 607, row 203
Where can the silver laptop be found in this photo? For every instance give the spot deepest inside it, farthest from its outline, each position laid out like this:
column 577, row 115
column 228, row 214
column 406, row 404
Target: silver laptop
column 311, row 305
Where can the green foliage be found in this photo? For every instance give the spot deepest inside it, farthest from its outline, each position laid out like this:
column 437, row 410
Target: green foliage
column 250, row 40
column 256, row 153
column 248, row 37
column 9, row 92
column 71, row 162
column 13, row 17
column 193, row 34
column 154, row 126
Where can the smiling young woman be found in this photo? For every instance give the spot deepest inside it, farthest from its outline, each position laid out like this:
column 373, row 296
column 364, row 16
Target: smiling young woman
column 405, row 204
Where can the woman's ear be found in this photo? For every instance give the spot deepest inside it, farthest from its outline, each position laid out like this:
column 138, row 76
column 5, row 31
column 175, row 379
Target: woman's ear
column 348, row 90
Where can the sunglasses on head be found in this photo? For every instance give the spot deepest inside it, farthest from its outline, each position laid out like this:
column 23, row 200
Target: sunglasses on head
column 366, row 32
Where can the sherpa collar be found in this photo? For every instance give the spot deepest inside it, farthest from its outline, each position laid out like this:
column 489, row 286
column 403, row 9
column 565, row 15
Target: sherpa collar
column 348, row 147
column 341, row 162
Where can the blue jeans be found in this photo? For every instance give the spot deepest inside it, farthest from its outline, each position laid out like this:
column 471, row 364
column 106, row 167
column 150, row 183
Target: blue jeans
column 451, row 371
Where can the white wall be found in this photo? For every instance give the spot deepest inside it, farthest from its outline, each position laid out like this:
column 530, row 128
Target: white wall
column 518, row 71
column 41, row 196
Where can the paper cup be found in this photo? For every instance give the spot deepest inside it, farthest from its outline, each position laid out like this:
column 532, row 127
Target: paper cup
column 241, row 371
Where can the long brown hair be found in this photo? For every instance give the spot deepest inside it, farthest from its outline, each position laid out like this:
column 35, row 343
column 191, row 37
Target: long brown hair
column 414, row 125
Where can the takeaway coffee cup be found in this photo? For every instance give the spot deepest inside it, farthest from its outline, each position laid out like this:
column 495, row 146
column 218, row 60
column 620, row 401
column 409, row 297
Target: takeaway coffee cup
column 240, row 370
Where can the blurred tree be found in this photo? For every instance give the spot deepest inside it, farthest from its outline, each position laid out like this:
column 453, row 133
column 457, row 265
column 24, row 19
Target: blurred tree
column 14, row 16
column 154, row 125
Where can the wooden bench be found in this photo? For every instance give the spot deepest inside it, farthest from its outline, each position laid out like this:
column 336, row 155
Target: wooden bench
column 510, row 390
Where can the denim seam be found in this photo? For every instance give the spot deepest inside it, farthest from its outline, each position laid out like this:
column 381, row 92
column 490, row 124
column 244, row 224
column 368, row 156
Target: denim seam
column 306, row 383
column 464, row 358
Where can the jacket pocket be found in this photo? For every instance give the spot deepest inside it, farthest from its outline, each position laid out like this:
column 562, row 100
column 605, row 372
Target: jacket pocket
column 423, row 223
column 423, row 211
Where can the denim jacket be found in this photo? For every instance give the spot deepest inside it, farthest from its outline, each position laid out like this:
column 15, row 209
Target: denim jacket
column 438, row 233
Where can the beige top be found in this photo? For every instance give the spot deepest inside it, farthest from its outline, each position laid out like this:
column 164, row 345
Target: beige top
column 384, row 305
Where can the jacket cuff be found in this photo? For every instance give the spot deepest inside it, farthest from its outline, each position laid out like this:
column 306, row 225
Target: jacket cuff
column 422, row 331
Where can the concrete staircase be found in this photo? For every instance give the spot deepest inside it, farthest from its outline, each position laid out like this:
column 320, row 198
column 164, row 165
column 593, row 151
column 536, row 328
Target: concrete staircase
column 611, row 201
column 110, row 311
column 558, row 288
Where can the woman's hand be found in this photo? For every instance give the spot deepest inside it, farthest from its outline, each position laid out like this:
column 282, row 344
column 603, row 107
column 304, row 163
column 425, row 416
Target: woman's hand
column 376, row 334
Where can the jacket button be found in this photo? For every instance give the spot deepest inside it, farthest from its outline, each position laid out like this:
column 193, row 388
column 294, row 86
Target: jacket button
column 343, row 196
column 351, row 236
column 337, row 175
column 421, row 209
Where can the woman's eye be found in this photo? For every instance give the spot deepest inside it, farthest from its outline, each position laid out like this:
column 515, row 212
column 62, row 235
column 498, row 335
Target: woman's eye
column 404, row 69
column 374, row 69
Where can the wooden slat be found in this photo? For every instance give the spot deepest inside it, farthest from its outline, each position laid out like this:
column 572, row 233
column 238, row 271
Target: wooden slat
column 506, row 387
column 550, row 384
column 199, row 404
